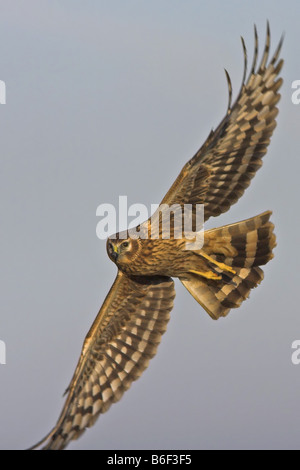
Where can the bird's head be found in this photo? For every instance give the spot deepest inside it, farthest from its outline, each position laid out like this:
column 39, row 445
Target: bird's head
column 122, row 249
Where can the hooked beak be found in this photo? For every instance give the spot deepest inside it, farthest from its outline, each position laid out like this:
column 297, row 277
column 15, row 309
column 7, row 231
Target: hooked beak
column 115, row 253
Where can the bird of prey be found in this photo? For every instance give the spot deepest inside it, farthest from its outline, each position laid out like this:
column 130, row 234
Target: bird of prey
column 128, row 328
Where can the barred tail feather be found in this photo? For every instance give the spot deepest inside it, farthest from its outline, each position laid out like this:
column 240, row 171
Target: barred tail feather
column 244, row 246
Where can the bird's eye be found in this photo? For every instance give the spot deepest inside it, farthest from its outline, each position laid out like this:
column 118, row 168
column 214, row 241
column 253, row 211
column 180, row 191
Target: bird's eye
column 125, row 244
column 110, row 247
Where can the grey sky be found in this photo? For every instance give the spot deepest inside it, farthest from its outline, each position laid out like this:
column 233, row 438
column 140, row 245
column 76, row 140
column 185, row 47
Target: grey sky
column 112, row 98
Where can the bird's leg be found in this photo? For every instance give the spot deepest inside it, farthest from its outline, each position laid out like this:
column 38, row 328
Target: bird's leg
column 207, row 274
column 222, row 266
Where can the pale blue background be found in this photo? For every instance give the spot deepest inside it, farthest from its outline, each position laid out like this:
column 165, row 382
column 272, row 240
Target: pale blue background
column 106, row 98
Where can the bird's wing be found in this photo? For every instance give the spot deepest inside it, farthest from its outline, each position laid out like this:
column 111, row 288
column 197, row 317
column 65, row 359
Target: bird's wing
column 123, row 338
column 222, row 169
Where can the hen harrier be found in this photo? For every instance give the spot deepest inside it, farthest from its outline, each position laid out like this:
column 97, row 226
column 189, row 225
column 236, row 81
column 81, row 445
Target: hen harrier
column 128, row 328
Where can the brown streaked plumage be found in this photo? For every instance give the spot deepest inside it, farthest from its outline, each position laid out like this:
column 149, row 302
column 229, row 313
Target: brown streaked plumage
column 128, row 328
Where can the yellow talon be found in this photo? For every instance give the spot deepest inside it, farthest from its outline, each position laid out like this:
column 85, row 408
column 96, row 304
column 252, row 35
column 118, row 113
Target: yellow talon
column 225, row 267
column 207, row 274
column 222, row 266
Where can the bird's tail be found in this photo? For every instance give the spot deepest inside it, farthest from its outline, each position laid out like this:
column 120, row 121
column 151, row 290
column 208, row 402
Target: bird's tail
column 242, row 247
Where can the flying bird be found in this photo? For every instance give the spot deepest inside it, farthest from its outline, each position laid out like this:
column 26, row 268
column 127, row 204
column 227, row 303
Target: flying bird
column 219, row 275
